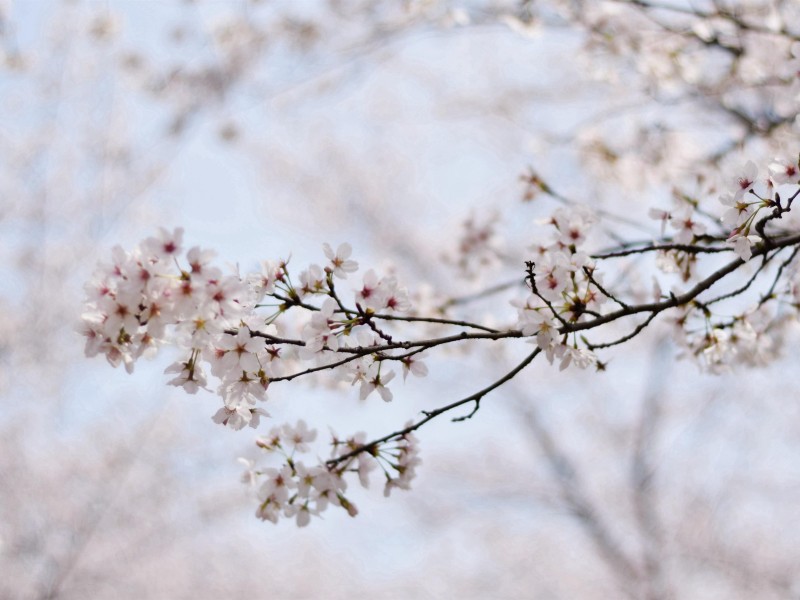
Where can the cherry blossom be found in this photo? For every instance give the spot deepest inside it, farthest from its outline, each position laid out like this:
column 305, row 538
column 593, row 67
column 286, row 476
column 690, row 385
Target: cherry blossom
column 783, row 171
column 374, row 380
column 744, row 181
column 190, row 376
column 686, row 226
column 743, row 244
column 165, row 244
column 341, row 264
column 240, row 351
column 415, row 366
column 737, row 212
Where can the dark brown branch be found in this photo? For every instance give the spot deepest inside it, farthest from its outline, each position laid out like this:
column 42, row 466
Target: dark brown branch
column 688, row 248
column 770, row 293
column 310, row 370
column 740, row 290
column 430, row 415
column 588, row 272
column 675, row 301
column 270, row 338
column 636, row 331
column 434, row 320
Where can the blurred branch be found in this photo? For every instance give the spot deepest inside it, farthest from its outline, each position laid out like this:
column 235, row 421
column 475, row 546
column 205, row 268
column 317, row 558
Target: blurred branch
column 642, row 475
column 577, row 500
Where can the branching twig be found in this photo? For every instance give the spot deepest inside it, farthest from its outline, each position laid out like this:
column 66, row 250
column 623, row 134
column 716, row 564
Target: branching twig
column 430, row 415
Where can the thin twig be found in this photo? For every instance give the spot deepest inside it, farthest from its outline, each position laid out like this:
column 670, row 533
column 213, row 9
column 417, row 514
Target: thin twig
column 430, row 415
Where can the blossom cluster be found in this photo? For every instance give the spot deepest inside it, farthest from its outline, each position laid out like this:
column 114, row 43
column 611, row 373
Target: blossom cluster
column 142, row 299
column 753, row 335
column 751, row 339
column 293, row 490
column 154, row 295
column 744, row 203
column 731, row 62
column 564, row 289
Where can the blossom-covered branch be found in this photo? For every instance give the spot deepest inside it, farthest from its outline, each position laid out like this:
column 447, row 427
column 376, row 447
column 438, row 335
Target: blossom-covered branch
column 255, row 330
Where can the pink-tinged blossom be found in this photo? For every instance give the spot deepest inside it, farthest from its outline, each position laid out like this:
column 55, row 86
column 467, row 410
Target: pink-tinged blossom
column 394, row 297
column 546, row 329
column 99, row 286
column 200, row 263
column 145, row 345
column 270, row 509
column 264, row 282
column 312, row 281
column 300, row 511
column 366, row 464
column 277, row 482
column 580, row 357
column 579, row 260
column 118, row 354
column 166, row 244
column 200, row 328
column 686, row 227
column 241, row 350
column 407, row 462
column 535, row 319
column 119, row 263
column 190, row 376
column 322, row 321
column 743, row 244
column 415, row 366
column 140, row 272
column 299, row 436
column 244, row 390
column 376, row 379
column 356, row 370
column 237, row 417
column 369, row 293
column 158, row 308
column 327, row 488
column 91, row 327
column 365, row 461
column 228, row 296
column 188, row 295
column 340, row 263
column 552, row 276
column 590, row 295
column 304, row 478
column 573, row 225
column 383, row 293
column 321, row 331
column 121, row 313
column 274, row 493
column 737, row 211
column 783, row 171
column 743, row 182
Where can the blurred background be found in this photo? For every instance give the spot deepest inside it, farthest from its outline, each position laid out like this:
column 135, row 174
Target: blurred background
column 407, row 128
